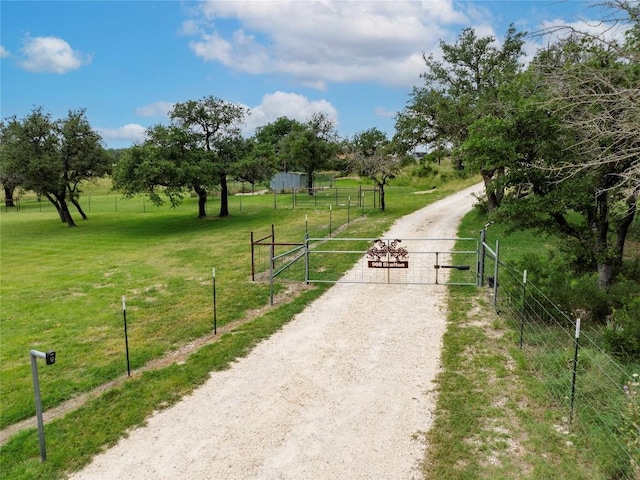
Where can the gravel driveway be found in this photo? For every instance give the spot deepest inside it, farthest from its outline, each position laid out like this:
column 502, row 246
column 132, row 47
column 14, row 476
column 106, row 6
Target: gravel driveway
column 343, row 391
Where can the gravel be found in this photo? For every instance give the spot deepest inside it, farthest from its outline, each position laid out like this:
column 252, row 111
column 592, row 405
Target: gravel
column 344, row 390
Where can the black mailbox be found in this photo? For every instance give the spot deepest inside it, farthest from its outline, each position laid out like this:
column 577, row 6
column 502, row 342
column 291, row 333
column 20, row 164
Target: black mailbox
column 50, row 357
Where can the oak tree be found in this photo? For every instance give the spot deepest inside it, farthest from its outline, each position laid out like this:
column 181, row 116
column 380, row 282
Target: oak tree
column 53, row 157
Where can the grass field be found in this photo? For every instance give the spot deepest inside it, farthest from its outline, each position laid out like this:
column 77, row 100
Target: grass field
column 498, row 414
column 61, row 289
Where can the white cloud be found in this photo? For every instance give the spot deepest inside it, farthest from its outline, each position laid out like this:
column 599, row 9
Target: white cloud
column 291, row 105
column 385, row 112
column 4, row 52
column 189, row 28
column 156, row 109
column 329, row 41
column 131, row 132
column 52, row 55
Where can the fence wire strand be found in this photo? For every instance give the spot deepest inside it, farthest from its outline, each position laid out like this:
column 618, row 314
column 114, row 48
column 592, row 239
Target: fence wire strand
column 601, row 408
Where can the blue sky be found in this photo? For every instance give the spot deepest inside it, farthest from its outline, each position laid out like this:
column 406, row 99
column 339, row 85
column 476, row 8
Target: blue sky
column 127, row 62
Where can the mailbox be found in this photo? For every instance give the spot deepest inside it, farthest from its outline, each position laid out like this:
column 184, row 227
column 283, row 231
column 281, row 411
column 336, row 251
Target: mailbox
column 50, row 357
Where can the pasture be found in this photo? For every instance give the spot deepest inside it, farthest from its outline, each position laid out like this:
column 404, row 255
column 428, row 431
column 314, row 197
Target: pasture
column 62, row 288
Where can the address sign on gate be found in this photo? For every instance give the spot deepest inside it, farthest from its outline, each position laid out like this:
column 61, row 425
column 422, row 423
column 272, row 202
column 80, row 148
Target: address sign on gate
column 383, row 255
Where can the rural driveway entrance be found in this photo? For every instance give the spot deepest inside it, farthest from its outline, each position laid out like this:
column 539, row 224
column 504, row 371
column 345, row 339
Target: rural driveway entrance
column 345, row 390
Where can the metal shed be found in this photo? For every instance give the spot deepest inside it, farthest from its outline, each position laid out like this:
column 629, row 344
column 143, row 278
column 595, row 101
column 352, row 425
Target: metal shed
column 288, row 181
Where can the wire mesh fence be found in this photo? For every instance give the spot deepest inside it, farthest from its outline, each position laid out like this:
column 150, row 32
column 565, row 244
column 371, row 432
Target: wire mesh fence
column 596, row 397
column 108, row 201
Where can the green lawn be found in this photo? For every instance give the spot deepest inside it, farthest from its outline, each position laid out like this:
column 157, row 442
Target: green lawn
column 61, row 289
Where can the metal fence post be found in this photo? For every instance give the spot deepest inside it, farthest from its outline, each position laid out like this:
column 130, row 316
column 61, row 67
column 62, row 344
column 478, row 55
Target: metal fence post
column 524, row 300
column 575, row 368
column 483, row 238
column 126, row 334
column 495, row 276
column 215, row 315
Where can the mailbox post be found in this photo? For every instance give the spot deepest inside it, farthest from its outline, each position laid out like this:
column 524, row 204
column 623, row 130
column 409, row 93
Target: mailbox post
column 50, row 359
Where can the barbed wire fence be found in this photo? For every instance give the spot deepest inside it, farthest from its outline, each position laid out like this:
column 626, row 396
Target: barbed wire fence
column 596, row 397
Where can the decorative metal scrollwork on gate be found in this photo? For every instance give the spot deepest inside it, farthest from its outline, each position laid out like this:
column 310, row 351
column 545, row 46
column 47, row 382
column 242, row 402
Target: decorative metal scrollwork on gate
column 381, row 253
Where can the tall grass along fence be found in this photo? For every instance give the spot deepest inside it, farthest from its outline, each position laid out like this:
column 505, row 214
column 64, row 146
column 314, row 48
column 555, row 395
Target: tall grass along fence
column 596, row 398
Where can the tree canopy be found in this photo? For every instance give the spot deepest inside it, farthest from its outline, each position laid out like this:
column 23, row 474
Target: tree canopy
column 52, row 157
column 196, row 152
column 371, row 155
column 557, row 144
column 567, row 142
column 310, row 146
column 462, row 88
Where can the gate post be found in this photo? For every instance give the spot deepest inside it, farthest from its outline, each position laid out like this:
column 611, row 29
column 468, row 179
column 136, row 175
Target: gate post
column 306, row 258
column 253, row 265
column 271, row 261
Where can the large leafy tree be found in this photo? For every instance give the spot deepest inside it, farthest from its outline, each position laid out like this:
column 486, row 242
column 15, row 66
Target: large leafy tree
column 166, row 164
column 53, row 157
column 311, row 147
column 216, row 124
column 458, row 90
column 371, row 155
column 257, row 164
column 196, row 152
column 9, row 178
column 593, row 88
column 273, row 137
column 569, row 136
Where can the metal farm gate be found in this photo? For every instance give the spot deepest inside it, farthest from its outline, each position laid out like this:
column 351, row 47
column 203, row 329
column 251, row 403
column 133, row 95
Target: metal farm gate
column 428, row 261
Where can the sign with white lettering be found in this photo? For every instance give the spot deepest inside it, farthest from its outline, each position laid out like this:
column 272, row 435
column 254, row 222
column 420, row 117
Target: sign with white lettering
column 383, row 255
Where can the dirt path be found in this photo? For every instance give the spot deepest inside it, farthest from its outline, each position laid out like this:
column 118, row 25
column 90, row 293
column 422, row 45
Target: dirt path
column 345, row 390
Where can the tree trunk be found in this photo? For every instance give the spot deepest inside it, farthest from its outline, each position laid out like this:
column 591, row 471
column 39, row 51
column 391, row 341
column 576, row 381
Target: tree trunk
column 202, row 201
column 623, row 227
column 609, row 259
column 63, row 211
column 494, row 194
column 55, row 203
column 605, row 275
column 224, row 196
column 310, row 183
column 8, row 196
column 79, row 208
column 492, row 202
column 600, row 229
column 382, row 203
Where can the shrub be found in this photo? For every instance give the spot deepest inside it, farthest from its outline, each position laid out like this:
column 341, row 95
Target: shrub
column 622, row 331
column 424, row 170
